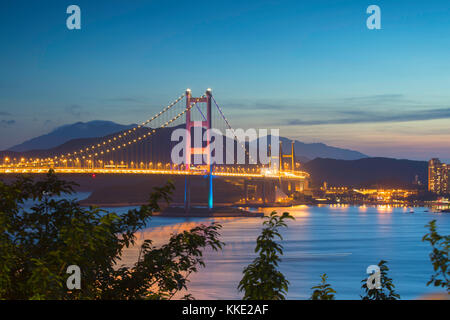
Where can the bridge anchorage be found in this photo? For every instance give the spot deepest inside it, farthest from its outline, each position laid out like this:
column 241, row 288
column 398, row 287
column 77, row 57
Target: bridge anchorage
column 146, row 150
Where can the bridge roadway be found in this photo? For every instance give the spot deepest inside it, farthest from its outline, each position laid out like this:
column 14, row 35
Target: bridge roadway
column 298, row 175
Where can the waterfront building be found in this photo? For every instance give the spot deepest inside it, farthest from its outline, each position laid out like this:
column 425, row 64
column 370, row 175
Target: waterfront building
column 438, row 176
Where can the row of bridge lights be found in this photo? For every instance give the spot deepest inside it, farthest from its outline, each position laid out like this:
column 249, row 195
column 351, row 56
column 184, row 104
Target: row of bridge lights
column 157, row 166
column 69, row 163
column 112, row 140
column 22, row 162
column 77, row 163
column 150, row 165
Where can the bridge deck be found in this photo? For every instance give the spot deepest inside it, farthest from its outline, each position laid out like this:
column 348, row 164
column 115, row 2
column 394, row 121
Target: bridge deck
column 285, row 175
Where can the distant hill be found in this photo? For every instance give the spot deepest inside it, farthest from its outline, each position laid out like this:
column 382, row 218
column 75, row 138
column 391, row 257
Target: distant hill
column 158, row 149
column 384, row 172
column 305, row 151
column 334, row 165
column 69, row 132
column 59, row 140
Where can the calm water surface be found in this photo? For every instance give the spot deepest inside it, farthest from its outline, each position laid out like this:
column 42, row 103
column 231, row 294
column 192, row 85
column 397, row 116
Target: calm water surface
column 341, row 241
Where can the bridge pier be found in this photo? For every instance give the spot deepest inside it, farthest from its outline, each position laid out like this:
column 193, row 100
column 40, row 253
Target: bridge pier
column 263, row 197
column 208, row 148
column 246, row 190
column 210, row 190
column 187, row 194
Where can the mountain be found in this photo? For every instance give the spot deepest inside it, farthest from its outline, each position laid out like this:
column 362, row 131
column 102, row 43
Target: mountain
column 305, row 152
column 319, row 150
column 367, row 172
column 348, row 168
column 63, row 134
column 158, row 149
column 95, row 129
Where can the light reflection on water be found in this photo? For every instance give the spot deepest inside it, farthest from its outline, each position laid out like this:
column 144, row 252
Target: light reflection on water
column 338, row 240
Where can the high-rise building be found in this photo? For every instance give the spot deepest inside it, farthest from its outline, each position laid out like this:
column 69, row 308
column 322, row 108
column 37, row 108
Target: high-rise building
column 438, row 174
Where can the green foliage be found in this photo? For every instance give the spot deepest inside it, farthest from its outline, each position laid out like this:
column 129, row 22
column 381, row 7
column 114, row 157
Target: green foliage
column 262, row 280
column 386, row 292
column 41, row 234
column 323, row 291
column 438, row 257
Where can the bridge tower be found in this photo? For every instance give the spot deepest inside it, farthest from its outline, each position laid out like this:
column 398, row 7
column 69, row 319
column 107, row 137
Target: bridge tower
column 206, row 124
column 291, row 186
column 289, row 156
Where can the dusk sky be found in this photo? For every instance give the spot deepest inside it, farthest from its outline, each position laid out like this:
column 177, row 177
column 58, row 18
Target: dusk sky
column 311, row 68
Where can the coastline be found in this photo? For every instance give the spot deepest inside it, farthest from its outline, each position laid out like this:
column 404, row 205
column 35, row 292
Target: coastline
column 178, row 211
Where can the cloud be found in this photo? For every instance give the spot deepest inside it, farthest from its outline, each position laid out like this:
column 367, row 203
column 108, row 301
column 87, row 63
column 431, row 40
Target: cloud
column 376, row 99
column 7, row 123
column 329, row 105
column 3, row 113
column 372, row 117
column 255, row 106
column 125, row 99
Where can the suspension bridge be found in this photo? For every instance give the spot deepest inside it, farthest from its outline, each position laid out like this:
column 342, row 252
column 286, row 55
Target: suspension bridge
column 145, row 149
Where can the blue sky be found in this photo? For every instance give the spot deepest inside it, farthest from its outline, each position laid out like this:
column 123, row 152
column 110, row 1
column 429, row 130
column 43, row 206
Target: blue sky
column 310, row 68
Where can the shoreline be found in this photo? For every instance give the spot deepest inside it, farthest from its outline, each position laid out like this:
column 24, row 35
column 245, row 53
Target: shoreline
column 209, row 215
column 252, row 205
column 223, row 211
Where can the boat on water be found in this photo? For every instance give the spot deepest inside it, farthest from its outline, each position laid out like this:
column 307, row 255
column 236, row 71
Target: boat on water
column 441, row 210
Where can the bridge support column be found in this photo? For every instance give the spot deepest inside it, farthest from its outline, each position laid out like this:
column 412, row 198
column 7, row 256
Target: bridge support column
column 210, row 191
column 188, row 130
column 187, row 195
column 263, row 192
column 210, row 167
column 246, row 190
